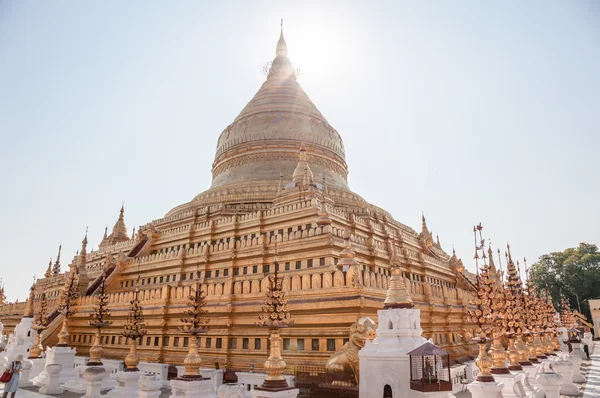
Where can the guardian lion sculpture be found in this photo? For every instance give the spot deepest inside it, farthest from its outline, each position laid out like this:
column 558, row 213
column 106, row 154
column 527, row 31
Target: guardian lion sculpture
column 346, row 359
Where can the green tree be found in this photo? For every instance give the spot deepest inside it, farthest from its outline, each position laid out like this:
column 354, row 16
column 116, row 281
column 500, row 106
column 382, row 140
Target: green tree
column 573, row 273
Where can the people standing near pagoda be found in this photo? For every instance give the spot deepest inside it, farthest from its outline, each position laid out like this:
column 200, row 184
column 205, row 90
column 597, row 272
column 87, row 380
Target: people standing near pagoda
column 14, row 368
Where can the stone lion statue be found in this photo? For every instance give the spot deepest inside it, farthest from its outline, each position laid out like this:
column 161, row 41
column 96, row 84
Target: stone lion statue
column 346, row 359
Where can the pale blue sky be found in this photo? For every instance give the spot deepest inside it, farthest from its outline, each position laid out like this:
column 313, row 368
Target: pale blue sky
column 469, row 110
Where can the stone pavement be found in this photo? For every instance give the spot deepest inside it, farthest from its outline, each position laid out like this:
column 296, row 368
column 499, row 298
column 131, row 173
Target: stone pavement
column 591, row 371
column 32, row 392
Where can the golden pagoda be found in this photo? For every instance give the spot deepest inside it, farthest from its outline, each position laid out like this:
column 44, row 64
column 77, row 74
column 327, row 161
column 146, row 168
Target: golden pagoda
column 279, row 178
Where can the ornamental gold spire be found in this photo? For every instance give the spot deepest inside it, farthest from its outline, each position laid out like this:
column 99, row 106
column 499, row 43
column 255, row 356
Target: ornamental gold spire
column 517, row 351
column 489, row 314
column 83, row 253
column 2, row 294
column 302, row 173
column 67, row 301
column 281, row 44
column 29, row 303
column 134, row 330
column 397, row 295
column 281, row 67
column 323, row 216
column 347, row 259
column 48, row 273
column 119, row 231
column 39, row 325
column 99, row 321
column 194, row 325
column 275, row 314
column 56, row 267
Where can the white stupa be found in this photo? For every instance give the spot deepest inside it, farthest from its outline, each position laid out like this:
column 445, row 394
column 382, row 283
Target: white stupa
column 384, row 362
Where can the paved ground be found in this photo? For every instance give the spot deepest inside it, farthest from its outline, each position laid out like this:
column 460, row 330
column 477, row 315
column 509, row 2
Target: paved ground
column 32, row 392
column 590, row 369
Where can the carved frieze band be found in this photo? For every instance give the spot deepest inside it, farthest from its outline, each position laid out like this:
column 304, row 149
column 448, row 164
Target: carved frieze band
column 278, row 157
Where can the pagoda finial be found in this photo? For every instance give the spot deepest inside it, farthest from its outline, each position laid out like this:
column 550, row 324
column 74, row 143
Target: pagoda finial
column 397, row 295
column 85, row 239
column 281, row 67
column 105, row 232
column 347, row 254
column 491, row 258
column 424, row 229
column 509, row 255
column 119, row 231
column 83, row 254
column 2, row 294
column 302, row 173
column 48, row 273
column 281, row 44
column 323, row 218
column 28, row 313
column 56, row 267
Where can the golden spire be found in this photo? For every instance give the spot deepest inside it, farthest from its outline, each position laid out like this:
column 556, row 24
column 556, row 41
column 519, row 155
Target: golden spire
column 83, row 254
column 347, row 254
column 48, row 273
column 56, row 267
column 281, row 67
column 281, row 44
column 493, row 269
column 29, row 303
column 423, row 223
column 397, row 296
column 119, row 231
column 302, row 173
column 323, row 216
column 2, row 294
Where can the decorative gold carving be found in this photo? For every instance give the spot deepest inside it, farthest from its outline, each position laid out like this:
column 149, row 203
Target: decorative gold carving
column 193, row 325
column 68, row 296
column 99, row 321
column 40, row 324
column 397, row 296
column 134, row 330
column 275, row 314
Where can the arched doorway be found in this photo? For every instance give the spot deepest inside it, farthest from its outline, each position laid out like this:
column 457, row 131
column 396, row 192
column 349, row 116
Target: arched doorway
column 387, row 391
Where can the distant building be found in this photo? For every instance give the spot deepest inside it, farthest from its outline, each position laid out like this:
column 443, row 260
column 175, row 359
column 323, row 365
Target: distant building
column 595, row 310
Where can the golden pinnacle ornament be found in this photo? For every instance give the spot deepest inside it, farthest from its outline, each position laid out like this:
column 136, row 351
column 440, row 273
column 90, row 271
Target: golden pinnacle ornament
column 193, row 325
column 485, row 313
column 99, row 317
column 67, row 301
column 517, row 351
column 134, row 330
column 40, row 324
column 274, row 315
column 533, row 322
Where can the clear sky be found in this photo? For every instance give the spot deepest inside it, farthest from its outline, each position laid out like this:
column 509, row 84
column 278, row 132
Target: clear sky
column 467, row 110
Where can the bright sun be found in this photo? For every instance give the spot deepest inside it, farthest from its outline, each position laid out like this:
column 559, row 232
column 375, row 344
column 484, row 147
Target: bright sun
column 317, row 50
